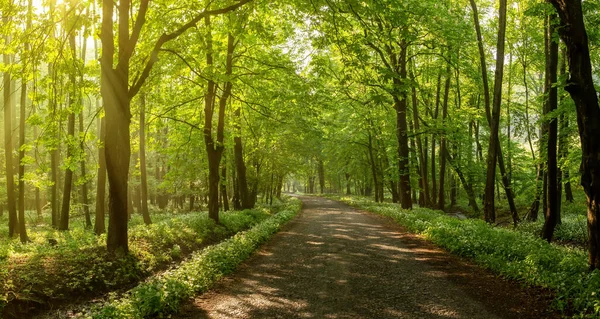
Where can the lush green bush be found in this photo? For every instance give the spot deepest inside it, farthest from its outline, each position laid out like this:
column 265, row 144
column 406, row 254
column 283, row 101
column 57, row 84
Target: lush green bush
column 162, row 295
column 514, row 254
column 78, row 263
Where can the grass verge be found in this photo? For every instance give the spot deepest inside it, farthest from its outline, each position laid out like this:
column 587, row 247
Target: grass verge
column 77, row 265
column 161, row 295
column 513, row 254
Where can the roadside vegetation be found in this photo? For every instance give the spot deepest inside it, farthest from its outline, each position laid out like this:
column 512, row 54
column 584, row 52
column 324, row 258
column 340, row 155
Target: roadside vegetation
column 521, row 255
column 161, row 295
column 56, row 266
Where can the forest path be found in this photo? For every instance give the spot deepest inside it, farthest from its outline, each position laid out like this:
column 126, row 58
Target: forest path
column 334, row 261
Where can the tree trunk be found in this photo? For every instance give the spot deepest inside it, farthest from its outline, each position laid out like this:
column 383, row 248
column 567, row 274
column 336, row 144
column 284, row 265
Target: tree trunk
column 143, row 172
column 224, row 197
column 240, row 165
column 374, row 168
column 422, row 151
column 117, row 147
column 466, row 184
column 581, row 88
column 443, row 150
column 13, row 222
column 348, row 190
column 321, row 177
column 214, row 148
column 68, row 182
column 84, row 185
column 22, row 115
column 551, row 213
column 400, row 105
column 435, row 114
column 563, row 144
column 493, row 147
column 99, row 222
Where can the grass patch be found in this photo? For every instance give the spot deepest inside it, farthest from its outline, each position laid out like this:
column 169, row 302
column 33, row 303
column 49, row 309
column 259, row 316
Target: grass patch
column 40, row 273
column 161, row 295
column 517, row 255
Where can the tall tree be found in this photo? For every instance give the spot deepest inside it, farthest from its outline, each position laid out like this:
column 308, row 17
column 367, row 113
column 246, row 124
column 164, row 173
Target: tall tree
column 8, row 146
column 493, row 146
column 581, row 88
column 143, row 173
column 117, row 94
column 551, row 104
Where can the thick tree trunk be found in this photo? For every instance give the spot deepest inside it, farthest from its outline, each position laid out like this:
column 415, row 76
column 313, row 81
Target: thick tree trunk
column 551, row 213
column 143, row 172
column 117, row 147
column 581, row 88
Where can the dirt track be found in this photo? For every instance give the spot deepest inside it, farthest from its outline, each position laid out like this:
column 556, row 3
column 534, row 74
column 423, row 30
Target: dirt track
column 333, row 261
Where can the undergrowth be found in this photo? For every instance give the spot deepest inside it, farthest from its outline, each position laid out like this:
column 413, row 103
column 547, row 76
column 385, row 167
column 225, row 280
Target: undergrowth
column 161, row 295
column 77, row 264
column 517, row 255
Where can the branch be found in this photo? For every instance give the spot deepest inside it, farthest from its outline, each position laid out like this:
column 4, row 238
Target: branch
column 166, row 37
column 137, row 28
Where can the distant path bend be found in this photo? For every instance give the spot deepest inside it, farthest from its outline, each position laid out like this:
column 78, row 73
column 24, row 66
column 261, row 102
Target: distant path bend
column 334, row 261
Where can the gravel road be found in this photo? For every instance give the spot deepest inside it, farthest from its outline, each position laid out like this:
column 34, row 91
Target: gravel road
column 334, row 261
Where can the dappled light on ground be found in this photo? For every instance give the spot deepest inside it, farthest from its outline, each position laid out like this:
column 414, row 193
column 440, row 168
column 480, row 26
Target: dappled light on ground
column 336, row 262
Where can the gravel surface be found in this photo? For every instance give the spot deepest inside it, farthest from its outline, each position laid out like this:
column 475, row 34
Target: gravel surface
column 334, row 261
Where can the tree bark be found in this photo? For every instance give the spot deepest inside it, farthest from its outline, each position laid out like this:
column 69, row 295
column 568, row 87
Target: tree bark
column 443, row 150
column 321, row 177
column 143, row 171
column 422, row 151
column 22, row 115
column 117, row 147
column 214, row 148
column 224, row 197
column 13, row 223
column 400, row 105
column 99, row 222
column 68, row 182
column 492, row 157
column 581, row 88
column 240, row 165
column 551, row 213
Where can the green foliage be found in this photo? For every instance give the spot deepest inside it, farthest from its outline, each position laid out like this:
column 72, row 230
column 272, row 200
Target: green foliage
column 161, row 295
column 572, row 230
column 78, row 263
column 513, row 254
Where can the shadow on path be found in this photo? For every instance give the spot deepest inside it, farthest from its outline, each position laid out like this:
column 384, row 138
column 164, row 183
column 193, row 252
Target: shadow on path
column 333, row 261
